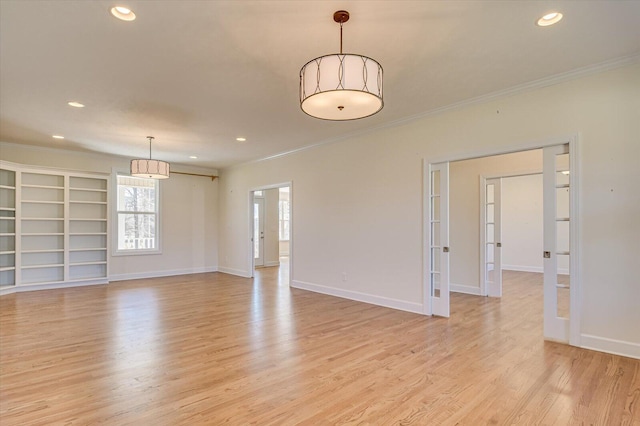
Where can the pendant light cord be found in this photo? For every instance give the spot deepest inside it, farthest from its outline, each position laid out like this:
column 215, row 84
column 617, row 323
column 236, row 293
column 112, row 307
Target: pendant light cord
column 341, row 37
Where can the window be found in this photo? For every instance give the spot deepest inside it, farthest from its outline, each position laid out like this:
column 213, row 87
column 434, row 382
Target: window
column 137, row 215
column 283, row 214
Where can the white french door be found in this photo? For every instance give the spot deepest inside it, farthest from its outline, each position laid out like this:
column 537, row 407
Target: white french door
column 492, row 251
column 258, row 231
column 557, row 250
column 438, row 256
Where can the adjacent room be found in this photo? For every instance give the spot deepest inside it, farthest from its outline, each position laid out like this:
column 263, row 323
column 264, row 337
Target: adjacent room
column 319, row 212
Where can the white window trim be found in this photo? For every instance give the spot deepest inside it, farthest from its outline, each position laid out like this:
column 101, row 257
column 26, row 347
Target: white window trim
column 281, row 221
column 114, row 219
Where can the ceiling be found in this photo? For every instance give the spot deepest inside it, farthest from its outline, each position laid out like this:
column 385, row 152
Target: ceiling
column 199, row 74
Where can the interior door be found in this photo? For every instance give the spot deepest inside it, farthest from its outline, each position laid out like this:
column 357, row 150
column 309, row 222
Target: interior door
column 439, row 238
column 258, row 231
column 492, row 236
column 556, row 254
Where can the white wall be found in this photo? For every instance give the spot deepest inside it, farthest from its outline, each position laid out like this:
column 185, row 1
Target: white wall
column 189, row 207
column 358, row 202
column 522, row 223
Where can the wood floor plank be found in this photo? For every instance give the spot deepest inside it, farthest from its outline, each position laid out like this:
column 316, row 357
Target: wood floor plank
column 218, row 349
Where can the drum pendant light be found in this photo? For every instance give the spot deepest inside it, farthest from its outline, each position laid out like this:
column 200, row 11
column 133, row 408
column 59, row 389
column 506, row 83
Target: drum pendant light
column 341, row 86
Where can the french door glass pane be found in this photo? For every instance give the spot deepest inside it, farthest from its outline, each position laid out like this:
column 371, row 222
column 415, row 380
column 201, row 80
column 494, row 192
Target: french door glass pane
column 562, row 203
column 563, row 302
column 564, row 283
column 490, row 250
column 562, row 236
column 435, row 210
column 562, row 162
column 490, row 272
column 435, row 259
column 256, row 230
column 562, row 177
column 435, row 284
column 490, row 193
column 435, row 234
column 435, row 182
column 490, row 213
column 490, row 233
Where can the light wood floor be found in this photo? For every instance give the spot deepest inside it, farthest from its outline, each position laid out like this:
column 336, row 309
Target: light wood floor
column 213, row 349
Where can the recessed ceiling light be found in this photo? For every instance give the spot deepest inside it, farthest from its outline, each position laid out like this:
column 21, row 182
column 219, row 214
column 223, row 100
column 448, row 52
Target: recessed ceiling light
column 75, row 104
column 58, row 137
column 241, row 139
column 193, row 157
column 549, row 19
column 123, row 13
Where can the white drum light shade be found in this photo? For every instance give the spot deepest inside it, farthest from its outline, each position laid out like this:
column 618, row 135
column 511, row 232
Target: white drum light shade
column 148, row 167
column 341, row 87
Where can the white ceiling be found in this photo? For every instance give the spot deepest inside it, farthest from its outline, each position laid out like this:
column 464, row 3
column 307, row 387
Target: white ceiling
column 198, row 74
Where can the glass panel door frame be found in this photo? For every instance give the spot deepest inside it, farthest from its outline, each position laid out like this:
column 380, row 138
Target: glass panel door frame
column 258, row 231
column 436, row 258
column 491, row 237
column 558, row 211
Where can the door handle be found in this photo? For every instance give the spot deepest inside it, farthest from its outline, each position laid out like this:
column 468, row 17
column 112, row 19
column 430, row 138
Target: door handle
column 498, row 245
column 546, row 255
column 445, row 249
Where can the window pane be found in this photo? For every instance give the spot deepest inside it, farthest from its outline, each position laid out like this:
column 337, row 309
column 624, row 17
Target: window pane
column 136, row 231
column 283, row 213
column 136, row 194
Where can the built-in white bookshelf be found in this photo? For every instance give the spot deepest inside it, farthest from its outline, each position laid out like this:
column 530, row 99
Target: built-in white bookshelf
column 87, row 228
column 42, row 205
column 7, row 227
column 53, row 225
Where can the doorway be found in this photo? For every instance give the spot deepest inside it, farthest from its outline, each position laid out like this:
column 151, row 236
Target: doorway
column 270, row 230
column 560, row 234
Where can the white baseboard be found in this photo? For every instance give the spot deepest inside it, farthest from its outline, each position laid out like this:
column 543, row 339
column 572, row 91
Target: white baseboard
column 272, row 263
column 466, row 289
column 538, row 269
column 165, row 273
column 521, row 268
column 231, row 271
column 52, row 286
column 402, row 305
column 610, row 346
